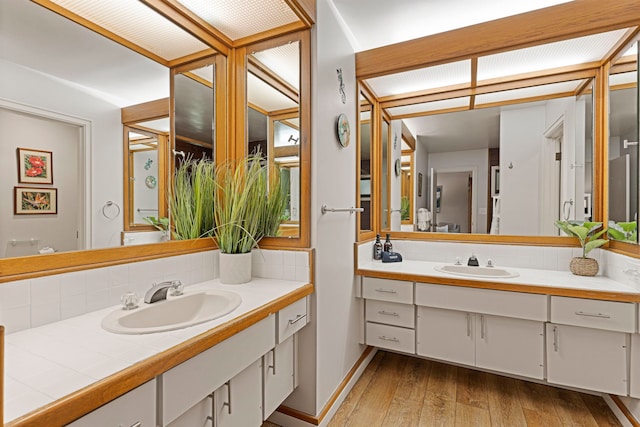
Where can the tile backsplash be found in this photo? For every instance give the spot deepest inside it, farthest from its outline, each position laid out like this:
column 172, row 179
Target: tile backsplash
column 30, row 303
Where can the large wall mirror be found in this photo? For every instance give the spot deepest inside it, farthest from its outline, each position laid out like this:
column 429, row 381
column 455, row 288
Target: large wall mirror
column 365, row 164
column 277, row 123
column 623, row 148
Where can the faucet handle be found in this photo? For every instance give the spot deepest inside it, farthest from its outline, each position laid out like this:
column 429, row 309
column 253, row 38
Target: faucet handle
column 458, row 262
column 177, row 288
column 489, row 262
column 129, row 301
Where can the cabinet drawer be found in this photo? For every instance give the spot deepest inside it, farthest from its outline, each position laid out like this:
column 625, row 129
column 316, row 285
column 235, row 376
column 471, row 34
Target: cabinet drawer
column 391, row 313
column 291, row 319
column 387, row 290
column 137, row 407
column 519, row 305
column 610, row 315
column 188, row 383
column 391, row 337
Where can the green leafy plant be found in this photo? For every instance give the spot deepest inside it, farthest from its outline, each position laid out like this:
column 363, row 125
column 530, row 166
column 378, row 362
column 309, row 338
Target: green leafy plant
column 191, row 199
column 586, row 232
column 161, row 224
column 247, row 205
column 623, row 231
column 404, row 208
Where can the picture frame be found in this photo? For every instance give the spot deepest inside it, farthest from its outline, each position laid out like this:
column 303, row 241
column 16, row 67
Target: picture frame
column 419, row 184
column 35, row 166
column 438, row 198
column 35, row 201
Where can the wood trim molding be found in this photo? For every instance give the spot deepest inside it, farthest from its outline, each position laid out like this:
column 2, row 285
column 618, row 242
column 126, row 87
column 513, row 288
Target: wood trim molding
column 625, row 411
column 502, row 286
column 631, row 36
column 75, row 405
column 267, row 75
column 146, row 111
column 408, row 137
column 551, row 24
column 601, row 145
column 305, row 9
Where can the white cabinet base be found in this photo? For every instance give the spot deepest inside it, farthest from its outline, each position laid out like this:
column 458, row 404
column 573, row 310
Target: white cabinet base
column 446, row 335
column 635, row 366
column 278, row 375
column 591, row 359
column 238, row 402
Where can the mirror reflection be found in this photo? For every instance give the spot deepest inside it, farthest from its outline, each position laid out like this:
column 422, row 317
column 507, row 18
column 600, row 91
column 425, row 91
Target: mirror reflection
column 506, row 170
column 623, row 150
column 273, row 121
column 365, row 156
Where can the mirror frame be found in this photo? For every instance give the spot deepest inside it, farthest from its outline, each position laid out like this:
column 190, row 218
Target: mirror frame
column 239, row 149
column 561, row 22
column 373, row 162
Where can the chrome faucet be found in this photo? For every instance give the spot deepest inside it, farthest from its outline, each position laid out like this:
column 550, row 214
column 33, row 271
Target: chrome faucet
column 159, row 291
column 473, row 261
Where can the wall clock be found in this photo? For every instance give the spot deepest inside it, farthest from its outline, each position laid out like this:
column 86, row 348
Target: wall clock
column 343, row 130
column 398, row 167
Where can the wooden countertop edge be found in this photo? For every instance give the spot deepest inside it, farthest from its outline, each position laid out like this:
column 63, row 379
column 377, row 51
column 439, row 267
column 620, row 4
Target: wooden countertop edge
column 87, row 399
column 501, row 286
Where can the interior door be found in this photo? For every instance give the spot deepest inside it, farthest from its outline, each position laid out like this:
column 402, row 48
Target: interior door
column 433, row 184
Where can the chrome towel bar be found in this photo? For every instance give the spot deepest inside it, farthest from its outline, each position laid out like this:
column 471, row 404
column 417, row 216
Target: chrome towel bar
column 324, row 209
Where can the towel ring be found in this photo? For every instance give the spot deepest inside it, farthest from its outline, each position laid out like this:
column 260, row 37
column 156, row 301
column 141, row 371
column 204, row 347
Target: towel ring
column 108, row 205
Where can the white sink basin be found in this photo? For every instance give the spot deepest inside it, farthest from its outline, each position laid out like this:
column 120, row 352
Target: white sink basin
column 486, row 272
column 174, row 313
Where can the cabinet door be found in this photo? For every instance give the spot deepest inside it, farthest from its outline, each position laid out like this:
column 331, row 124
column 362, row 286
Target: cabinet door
column 278, row 369
column 239, row 401
column 635, row 366
column 592, row 359
column 136, row 408
column 200, row 415
column 446, row 334
column 514, row 346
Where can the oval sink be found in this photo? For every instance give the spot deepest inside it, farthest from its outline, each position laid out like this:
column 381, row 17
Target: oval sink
column 174, row 313
column 487, row 272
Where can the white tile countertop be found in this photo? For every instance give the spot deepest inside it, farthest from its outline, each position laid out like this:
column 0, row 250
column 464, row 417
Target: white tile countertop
column 49, row 362
column 528, row 280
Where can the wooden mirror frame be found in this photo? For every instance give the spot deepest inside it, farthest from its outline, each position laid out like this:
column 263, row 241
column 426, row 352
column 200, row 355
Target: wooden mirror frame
column 560, row 22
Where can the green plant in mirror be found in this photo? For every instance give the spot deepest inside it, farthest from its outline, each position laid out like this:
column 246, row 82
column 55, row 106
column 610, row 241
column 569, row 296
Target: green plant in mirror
column 191, row 199
column 623, row 231
column 404, row 208
column 586, row 232
column 249, row 203
column 161, row 224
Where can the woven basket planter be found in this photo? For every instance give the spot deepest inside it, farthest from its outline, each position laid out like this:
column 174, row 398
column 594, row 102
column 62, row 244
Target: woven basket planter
column 584, row 266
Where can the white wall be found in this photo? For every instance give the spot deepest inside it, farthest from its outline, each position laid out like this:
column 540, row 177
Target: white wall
column 60, row 230
column 144, row 197
column 459, row 161
column 421, row 165
column 454, row 201
column 25, row 86
column 521, row 140
column 395, row 180
column 329, row 345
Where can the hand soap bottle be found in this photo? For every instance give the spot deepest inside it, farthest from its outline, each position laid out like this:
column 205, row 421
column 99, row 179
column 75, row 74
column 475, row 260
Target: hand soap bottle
column 388, row 247
column 377, row 248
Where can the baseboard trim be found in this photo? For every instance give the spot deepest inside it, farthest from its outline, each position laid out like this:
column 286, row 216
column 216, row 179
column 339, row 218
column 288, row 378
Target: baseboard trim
column 338, row 396
column 620, row 409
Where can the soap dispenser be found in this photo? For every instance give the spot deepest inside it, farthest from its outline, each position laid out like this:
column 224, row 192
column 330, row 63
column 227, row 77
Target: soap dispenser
column 377, row 248
column 388, row 246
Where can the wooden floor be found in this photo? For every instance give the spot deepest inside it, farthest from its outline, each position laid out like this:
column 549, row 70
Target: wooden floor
column 402, row 391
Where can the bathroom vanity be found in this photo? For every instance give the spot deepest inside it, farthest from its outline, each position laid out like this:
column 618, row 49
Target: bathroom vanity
column 232, row 371
column 544, row 325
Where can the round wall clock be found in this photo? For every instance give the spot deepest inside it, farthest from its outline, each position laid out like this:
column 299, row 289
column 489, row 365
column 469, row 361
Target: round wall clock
column 398, row 167
column 343, row 130
column 150, row 181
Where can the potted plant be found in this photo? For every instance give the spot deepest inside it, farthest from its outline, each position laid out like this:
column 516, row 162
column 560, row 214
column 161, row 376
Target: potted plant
column 623, row 231
column 248, row 205
column 589, row 237
column 161, row 224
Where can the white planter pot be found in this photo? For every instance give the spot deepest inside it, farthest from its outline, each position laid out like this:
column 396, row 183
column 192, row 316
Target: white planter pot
column 235, row 268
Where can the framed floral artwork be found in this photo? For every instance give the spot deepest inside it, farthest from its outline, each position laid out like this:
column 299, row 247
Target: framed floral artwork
column 31, row 200
column 35, row 166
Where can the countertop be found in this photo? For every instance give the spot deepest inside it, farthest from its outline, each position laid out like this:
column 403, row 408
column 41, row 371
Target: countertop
column 46, row 367
column 530, row 280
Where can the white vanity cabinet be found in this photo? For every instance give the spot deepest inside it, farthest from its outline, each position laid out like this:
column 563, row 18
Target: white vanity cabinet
column 389, row 314
column 634, row 374
column 278, row 375
column 136, row 408
column 238, row 403
column 593, row 359
column 588, row 343
column 502, row 344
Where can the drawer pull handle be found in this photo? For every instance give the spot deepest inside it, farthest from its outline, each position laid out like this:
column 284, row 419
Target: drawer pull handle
column 482, row 326
column 600, row 315
column 387, row 291
column 555, row 339
column 468, row 324
column 298, row 318
column 388, row 313
column 138, row 424
column 228, row 402
column 383, row 338
column 273, row 352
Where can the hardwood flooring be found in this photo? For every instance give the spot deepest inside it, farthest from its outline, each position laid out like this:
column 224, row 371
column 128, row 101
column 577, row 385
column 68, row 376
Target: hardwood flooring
column 403, row 391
